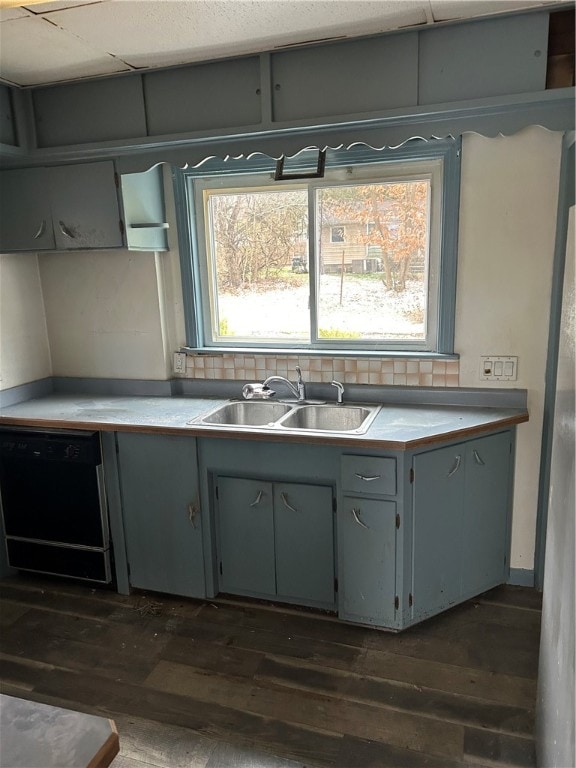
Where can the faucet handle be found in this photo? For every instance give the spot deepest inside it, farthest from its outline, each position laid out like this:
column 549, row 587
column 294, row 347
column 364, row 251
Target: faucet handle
column 340, row 391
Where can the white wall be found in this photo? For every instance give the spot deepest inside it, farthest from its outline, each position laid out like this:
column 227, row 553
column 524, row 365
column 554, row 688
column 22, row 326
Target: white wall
column 24, row 352
column 508, row 208
column 103, row 314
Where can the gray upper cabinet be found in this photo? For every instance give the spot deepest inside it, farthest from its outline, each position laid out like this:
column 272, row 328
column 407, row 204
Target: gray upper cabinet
column 346, row 78
column 26, row 220
column 80, row 113
column 7, row 128
column 220, row 94
column 85, row 207
column 483, row 58
column 162, row 514
column 70, row 207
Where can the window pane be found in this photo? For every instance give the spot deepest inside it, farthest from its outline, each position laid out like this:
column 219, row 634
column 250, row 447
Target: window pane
column 258, row 259
column 373, row 283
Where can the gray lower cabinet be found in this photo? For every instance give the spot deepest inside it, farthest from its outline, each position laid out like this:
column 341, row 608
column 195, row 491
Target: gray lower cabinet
column 69, row 207
column 162, row 517
column 461, row 502
column 367, row 540
column 367, row 566
column 276, row 540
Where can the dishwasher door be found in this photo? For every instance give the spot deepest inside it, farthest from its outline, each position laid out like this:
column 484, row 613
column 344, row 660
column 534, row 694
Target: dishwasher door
column 53, row 503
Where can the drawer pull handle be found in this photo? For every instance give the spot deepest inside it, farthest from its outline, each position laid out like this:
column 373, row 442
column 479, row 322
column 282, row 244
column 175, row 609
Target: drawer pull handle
column 368, row 478
column 456, row 466
column 257, row 500
column 478, row 458
column 357, row 519
column 65, row 231
column 41, row 230
column 284, row 498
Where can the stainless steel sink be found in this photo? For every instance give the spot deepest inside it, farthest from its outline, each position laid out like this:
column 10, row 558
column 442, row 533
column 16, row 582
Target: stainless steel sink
column 246, row 414
column 330, row 418
column 278, row 416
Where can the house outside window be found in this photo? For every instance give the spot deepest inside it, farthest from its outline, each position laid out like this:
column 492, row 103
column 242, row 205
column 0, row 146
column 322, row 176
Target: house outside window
column 361, row 259
column 337, row 234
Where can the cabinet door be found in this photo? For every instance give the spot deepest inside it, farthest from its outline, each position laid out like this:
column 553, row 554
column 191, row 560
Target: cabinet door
column 162, row 519
column 367, row 562
column 26, row 220
column 246, row 536
column 438, row 528
column 85, row 207
column 486, row 510
column 304, row 539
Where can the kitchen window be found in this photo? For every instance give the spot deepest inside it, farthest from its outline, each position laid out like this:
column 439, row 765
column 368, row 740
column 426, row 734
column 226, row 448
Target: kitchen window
column 361, row 259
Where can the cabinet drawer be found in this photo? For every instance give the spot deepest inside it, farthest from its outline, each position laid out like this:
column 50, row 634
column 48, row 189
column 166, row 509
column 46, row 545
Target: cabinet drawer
column 369, row 474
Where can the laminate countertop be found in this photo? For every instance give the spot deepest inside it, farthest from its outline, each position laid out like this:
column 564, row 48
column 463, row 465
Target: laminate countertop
column 397, row 427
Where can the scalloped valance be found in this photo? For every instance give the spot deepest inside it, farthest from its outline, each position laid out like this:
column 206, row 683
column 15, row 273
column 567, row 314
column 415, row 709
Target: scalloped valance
column 553, row 110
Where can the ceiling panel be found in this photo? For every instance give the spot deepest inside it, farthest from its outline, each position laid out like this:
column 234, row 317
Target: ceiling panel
column 6, row 14
column 63, row 40
column 34, row 51
column 161, row 32
column 445, row 10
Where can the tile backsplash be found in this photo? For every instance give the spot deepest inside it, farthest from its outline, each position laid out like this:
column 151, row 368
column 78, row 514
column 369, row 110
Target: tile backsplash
column 348, row 370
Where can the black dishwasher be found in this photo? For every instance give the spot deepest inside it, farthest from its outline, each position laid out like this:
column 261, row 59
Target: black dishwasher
column 53, row 503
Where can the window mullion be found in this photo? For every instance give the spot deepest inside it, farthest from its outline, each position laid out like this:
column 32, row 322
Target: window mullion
column 313, row 266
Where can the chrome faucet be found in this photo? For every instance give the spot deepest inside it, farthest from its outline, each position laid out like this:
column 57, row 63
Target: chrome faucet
column 298, row 389
column 339, row 392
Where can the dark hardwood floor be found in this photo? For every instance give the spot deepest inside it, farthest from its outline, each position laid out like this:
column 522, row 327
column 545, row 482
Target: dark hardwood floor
column 195, row 684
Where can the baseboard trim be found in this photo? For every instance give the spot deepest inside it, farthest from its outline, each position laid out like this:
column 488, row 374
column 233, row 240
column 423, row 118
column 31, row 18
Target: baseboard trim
column 521, row 577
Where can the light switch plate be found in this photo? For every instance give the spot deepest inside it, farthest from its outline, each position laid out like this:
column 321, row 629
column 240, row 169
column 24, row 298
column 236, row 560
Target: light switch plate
column 499, row 368
column 179, row 362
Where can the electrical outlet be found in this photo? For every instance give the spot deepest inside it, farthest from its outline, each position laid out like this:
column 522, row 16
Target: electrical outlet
column 495, row 368
column 179, row 362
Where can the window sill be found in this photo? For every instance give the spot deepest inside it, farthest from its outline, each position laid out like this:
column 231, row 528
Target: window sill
column 327, row 353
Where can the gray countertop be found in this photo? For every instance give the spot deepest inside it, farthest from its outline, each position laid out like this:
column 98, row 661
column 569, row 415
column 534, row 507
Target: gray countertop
column 396, row 426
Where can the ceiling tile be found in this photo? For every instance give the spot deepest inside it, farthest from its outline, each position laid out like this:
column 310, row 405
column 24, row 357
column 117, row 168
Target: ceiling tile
column 164, row 32
column 34, row 51
column 57, row 5
column 7, row 14
column 444, row 10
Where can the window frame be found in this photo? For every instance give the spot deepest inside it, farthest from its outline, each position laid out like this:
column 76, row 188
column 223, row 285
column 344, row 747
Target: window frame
column 196, row 282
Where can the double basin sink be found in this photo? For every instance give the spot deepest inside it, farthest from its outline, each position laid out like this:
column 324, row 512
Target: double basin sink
column 278, row 416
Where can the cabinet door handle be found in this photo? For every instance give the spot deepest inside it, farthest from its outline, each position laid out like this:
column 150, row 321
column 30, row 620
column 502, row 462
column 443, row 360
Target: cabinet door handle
column 193, row 512
column 368, row 478
column 257, row 500
column 284, row 498
column 357, row 519
column 456, row 466
column 41, row 229
column 478, row 458
column 65, row 231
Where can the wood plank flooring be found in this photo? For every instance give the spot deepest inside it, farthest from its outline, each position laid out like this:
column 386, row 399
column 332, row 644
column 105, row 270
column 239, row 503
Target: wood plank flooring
column 225, row 684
